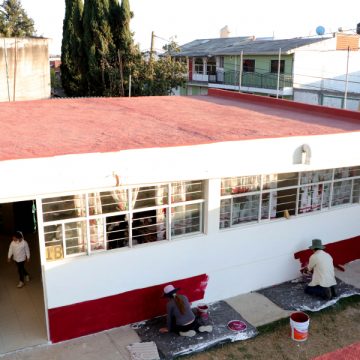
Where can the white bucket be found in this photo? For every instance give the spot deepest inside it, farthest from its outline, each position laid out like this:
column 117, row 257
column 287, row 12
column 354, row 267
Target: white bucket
column 299, row 323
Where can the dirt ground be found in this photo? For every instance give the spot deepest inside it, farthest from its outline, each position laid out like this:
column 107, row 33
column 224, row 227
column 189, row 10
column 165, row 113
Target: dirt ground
column 330, row 329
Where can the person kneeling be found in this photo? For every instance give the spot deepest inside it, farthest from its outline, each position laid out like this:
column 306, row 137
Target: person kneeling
column 180, row 318
column 323, row 277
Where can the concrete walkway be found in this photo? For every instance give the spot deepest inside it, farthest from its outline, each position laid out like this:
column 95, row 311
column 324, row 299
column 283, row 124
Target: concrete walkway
column 111, row 344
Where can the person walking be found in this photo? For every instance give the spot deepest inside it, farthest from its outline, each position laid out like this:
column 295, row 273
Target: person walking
column 20, row 252
column 180, row 317
column 323, row 276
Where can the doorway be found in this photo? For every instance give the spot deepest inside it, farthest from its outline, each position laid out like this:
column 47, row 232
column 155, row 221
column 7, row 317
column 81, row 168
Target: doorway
column 22, row 310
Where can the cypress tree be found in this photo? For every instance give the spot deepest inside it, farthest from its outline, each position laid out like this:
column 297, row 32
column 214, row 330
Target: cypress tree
column 99, row 47
column 72, row 54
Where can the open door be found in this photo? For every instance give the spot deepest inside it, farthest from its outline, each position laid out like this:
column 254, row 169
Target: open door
column 22, row 310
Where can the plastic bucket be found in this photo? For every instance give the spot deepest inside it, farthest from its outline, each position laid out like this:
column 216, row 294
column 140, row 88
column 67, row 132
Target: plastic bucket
column 299, row 323
column 203, row 311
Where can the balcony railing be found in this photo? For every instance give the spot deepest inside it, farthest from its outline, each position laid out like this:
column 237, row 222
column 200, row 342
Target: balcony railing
column 252, row 79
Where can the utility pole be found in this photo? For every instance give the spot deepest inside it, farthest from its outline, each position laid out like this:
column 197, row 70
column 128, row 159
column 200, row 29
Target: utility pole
column 241, row 69
column 278, row 75
column 152, row 46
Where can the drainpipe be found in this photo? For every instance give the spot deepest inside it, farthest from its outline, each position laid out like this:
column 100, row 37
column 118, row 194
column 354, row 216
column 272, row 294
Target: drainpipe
column 347, row 78
column 278, row 76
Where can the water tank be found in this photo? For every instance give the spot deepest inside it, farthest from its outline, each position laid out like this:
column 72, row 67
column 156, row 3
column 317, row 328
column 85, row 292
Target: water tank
column 320, row 30
column 358, row 29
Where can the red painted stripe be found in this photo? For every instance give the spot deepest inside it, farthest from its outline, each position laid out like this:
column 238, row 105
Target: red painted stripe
column 351, row 352
column 88, row 317
column 339, row 114
column 342, row 252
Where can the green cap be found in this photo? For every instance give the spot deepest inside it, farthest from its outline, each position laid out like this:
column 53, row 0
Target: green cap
column 316, row 245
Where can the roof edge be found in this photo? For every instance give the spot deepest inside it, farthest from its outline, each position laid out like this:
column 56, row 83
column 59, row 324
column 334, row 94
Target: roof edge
column 346, row 115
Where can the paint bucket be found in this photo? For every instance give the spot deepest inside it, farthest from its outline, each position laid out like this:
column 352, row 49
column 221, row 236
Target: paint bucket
column 299, row 323
column 203, row 311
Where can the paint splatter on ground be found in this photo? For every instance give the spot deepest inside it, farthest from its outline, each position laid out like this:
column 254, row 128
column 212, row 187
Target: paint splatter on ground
column 290, row 296
column 171, row 346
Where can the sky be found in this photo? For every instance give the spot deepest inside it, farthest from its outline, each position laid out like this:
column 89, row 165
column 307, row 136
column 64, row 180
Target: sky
column 187, row 20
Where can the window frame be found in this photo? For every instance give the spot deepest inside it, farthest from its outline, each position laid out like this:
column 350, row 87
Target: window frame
column 129, row 212
column 324, row 185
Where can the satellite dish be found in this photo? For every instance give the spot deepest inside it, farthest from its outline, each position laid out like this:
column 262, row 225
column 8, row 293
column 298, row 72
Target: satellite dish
column 320, row 30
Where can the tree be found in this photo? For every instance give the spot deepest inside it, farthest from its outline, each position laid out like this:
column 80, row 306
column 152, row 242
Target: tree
column 159, row 77
column 99, row 47
column 72, row 53
column 14, row 22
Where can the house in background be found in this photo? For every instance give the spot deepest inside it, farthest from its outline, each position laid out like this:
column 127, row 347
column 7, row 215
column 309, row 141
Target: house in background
column 318, row 70
column 214, row 194
column 25, row 73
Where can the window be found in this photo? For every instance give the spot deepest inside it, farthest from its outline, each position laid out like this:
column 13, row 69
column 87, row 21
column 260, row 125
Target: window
column 221, row 62
column 121, row 217
column 211, row 66
column 248, row 65
column 265, row 197
column 274, row 66
column 199, row 66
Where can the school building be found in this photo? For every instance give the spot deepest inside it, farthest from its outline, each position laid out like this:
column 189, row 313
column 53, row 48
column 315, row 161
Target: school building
column 213, row 194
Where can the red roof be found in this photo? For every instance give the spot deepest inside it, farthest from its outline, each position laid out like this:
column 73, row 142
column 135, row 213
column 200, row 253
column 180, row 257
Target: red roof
column 44, row 128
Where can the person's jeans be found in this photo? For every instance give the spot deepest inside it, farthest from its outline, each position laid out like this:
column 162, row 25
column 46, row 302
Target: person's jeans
column 324, row 292
column 21, row 270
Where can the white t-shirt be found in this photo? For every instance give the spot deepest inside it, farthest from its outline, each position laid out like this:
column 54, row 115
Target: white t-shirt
column 19, row 250
column 322, row 265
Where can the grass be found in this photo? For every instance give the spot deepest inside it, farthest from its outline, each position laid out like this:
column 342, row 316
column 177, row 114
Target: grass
column 331, row 328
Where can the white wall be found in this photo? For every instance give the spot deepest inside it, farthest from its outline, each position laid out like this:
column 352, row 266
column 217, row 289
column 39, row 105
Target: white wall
column 25, row 69
column 326, row 70
column 236, row 260
column 28, row 178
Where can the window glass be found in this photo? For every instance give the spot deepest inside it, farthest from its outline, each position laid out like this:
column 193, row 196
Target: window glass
column 347, row 172
column 341, row 192
column 309, row 177
column 108, row 201
column 186, row 191
column 75, row 237
column 149, row 196
column 274, row 66
column 149, row 226
column 313, row 197
column 356, row 191
column 199, row 66
column 239, row 185
column 285, row 200
column 186, row 219
column 268, row 205
column 245, row 209
column 249, row 65
column 97, row 236
column 53, row 242
column 117, row 231
column 225, row 213
column 63, row 207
